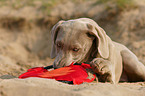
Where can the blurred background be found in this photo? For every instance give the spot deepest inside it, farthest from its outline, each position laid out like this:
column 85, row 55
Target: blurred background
column 25, row 25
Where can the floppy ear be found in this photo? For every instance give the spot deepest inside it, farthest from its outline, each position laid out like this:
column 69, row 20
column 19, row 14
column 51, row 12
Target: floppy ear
column 101, row 41
column 103, row 47
column 54, row 32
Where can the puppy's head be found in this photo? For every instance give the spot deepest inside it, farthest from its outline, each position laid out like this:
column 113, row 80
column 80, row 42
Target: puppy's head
column 74, row 41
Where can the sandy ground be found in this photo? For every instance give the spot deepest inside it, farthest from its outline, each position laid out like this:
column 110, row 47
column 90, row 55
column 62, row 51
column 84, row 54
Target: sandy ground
column 25, row 42
column 46, row 87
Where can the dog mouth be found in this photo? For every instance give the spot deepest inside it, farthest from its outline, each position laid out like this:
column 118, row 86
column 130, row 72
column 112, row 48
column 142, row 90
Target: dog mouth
column 55, row 66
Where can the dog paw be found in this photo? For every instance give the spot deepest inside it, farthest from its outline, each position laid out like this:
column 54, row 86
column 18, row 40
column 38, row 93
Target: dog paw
column 100, row 66
column 103, row 69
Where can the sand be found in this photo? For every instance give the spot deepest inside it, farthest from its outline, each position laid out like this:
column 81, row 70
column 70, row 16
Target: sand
column 48, row 87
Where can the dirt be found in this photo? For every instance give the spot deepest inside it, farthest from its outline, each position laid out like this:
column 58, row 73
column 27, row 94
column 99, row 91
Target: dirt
column 25, row 39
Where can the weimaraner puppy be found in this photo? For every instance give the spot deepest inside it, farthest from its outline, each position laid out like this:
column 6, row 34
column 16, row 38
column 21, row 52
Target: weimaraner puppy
column 82, row 40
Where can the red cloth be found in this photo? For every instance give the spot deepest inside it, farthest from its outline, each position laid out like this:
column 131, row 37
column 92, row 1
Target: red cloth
column 75, row 73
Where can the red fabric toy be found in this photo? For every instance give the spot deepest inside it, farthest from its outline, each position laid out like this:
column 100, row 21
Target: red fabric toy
column 73, row 73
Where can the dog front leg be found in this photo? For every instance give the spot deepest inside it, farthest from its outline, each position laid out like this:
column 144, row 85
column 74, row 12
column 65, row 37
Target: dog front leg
column 104, row 70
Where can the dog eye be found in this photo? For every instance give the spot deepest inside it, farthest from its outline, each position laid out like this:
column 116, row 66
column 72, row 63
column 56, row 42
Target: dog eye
column 75, row 49
column 58, row 45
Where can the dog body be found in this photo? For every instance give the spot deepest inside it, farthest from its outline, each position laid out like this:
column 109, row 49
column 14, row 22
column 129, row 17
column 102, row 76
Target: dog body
column 82, row 40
